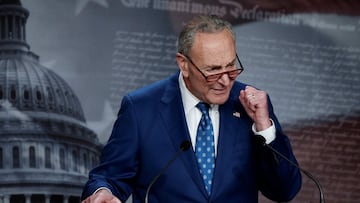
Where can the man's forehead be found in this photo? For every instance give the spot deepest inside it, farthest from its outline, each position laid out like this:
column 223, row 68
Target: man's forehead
column 213, row 47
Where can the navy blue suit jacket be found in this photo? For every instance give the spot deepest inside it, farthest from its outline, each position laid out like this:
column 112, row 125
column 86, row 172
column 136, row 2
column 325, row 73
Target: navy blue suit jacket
column 148, row 132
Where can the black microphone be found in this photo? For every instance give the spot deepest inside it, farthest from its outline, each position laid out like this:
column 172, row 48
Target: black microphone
column 185, row 145
column 308, row 174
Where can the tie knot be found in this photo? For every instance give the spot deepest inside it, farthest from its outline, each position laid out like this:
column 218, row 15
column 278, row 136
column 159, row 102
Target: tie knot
column 203, row 107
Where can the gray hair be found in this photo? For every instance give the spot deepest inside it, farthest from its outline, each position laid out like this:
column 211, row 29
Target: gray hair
column 201, row 24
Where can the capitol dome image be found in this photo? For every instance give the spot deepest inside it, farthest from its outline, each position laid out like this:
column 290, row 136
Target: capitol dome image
column 46, row 148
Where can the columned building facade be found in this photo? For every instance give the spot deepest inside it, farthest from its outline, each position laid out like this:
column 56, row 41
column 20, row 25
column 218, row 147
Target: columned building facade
column 46, row 148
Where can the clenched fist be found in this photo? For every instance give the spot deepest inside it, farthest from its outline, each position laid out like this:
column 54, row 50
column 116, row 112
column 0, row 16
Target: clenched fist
column 256, row 106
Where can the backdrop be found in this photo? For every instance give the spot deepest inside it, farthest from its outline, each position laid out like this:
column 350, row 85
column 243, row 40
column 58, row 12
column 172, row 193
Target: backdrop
column 304, row 53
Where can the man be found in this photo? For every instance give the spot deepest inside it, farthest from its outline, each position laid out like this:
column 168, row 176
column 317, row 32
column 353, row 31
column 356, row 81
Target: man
column 154, row 121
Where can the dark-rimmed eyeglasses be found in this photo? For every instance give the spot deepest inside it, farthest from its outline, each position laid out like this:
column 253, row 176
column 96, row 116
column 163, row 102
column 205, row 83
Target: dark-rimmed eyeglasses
column 232, row 74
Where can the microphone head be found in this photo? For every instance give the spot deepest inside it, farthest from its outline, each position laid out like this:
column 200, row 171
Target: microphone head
column 260, row 139
column 185, row 145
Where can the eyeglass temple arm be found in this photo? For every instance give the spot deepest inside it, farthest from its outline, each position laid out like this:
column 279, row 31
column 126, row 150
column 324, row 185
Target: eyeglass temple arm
column 239, row 61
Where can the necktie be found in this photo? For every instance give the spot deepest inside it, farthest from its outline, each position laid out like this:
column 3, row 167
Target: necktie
column 204, row 147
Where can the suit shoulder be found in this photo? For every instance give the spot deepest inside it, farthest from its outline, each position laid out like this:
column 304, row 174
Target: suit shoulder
column 237, row 87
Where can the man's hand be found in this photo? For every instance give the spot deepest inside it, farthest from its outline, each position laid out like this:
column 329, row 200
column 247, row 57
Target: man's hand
column 102, row 196
column 256, row 106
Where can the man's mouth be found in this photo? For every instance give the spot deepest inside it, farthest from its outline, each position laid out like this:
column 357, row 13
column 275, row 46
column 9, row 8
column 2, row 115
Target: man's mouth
column 220, row 91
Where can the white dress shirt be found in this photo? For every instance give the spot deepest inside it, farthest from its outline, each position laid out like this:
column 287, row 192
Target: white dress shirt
column 193, row 114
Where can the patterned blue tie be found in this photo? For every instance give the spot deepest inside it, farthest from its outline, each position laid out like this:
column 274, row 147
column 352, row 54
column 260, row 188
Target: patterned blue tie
column 204, row 148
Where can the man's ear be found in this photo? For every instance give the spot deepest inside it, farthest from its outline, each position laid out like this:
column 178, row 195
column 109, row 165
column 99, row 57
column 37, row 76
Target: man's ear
column 182, row 64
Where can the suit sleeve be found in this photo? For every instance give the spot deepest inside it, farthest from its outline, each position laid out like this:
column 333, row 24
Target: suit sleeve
column 118, row 163
column 278, row 179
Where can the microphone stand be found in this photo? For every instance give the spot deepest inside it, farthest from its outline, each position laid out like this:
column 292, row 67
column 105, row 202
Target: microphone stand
column 308, row 174
column 185, row 145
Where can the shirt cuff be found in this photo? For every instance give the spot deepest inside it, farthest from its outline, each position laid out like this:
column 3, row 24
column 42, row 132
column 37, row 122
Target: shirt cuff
column 268, row 134
column 102, row 188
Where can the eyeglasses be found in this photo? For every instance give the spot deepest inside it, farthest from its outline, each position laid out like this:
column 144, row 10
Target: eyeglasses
column 215, row 77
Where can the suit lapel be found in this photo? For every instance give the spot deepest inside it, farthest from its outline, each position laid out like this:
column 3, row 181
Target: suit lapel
column 173, row 116
column 231, row 122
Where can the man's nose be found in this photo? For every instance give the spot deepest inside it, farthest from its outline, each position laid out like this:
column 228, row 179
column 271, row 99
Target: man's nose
column 224, row 79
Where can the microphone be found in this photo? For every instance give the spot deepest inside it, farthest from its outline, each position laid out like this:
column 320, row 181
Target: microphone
column 308, row 174
column 185, row 145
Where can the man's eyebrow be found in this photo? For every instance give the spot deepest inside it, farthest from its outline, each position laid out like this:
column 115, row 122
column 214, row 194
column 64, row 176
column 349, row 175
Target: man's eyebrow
column 219, row 66
column 231, row 63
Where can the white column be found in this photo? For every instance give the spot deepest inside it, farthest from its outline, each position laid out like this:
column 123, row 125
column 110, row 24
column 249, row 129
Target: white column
column 47, row 198
column 6, row 199
column 28, row 198
column 66, row 199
